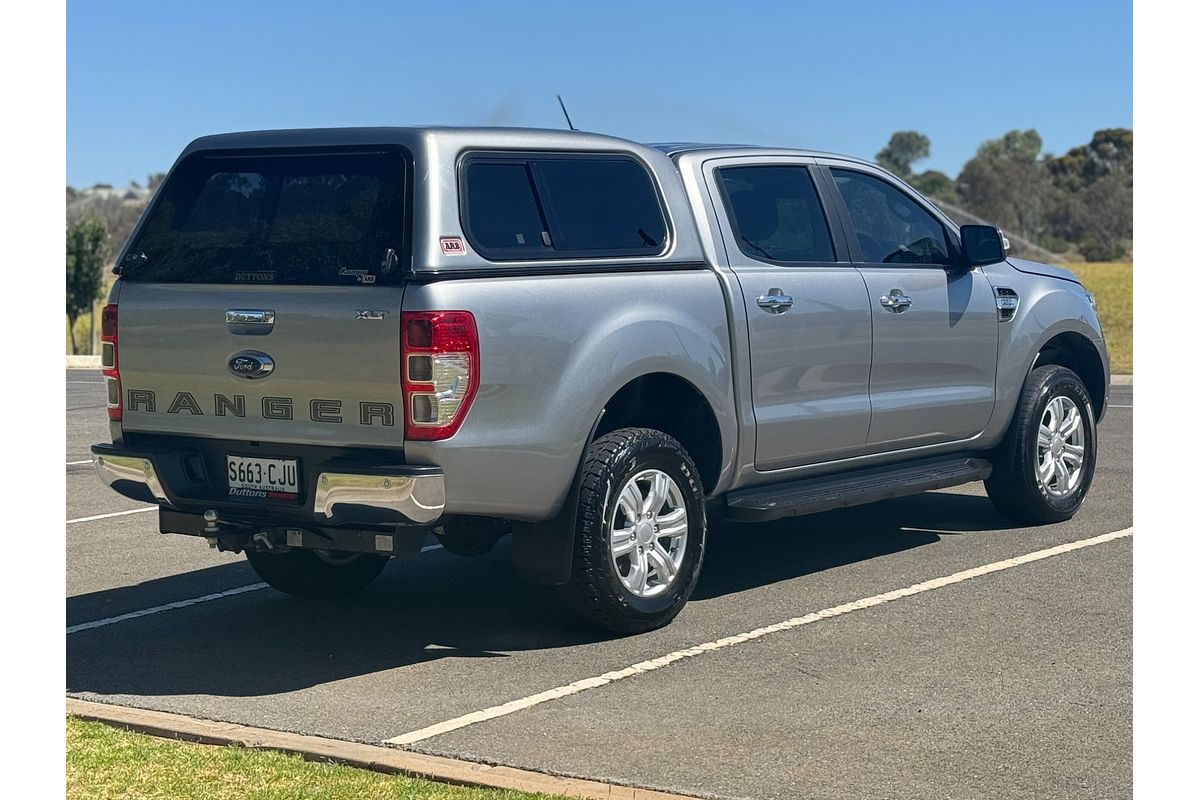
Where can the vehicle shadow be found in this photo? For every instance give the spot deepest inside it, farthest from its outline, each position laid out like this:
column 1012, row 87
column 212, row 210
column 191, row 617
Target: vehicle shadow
column 263, row 643
column 746, row 556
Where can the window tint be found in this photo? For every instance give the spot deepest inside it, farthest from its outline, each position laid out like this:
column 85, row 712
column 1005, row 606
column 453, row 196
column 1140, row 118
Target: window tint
column 502, row 208
column 891, row 228
column 776, row 213
column 277, row 218
column 561, row 207
column 601, row 204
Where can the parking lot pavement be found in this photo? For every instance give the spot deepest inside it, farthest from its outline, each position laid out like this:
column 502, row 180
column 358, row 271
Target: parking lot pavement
column 1005, row 685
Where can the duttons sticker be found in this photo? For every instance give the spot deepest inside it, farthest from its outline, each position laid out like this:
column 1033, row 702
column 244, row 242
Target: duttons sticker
column 453, row 246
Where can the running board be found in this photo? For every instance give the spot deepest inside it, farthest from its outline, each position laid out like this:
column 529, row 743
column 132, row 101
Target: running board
column 811, row 495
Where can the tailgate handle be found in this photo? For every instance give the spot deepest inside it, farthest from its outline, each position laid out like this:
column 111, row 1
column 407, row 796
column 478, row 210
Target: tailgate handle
column 250, row 321
column 242, row 316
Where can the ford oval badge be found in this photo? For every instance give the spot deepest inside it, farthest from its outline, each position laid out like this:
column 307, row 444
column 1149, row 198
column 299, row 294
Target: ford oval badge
column 251, row 364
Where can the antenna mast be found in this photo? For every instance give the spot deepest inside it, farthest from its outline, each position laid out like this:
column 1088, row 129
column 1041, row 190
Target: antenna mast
column 563, row 106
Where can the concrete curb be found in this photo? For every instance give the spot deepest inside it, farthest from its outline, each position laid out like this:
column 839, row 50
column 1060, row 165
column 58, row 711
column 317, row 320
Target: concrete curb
column 1122, row 380
column 366, row 756
column 83, row 362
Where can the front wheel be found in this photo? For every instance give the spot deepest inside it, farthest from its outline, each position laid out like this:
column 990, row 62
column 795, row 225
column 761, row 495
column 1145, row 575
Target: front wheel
column 317, row 573
column 640, row 529
column 1055, row 455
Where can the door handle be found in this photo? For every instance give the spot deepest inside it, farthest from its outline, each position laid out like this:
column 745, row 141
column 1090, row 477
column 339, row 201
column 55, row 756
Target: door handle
column 774, row 301
column 896, row 301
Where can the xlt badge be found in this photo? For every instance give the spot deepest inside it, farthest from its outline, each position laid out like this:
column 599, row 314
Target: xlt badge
column 251, row 364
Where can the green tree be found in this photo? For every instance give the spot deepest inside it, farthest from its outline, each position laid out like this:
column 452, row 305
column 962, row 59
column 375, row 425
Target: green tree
column 904, row 149
column 1019, row 146
column 1006, row 183
column 933, row 183
column 1093, row 201
column 1109, row 151
column 87, row 253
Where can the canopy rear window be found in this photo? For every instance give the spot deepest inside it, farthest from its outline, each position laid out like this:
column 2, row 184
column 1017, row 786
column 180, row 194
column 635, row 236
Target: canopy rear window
column 276, row 218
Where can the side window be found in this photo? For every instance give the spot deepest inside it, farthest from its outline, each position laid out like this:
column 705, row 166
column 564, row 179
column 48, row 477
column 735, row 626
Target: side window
column 891, row 228
column 776, row 214
column 502, row 208
column 601, row 204
column 566, row 206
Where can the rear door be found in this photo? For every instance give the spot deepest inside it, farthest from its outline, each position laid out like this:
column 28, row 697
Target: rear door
column 935, row 330
column 260, row 299
column 807, row 311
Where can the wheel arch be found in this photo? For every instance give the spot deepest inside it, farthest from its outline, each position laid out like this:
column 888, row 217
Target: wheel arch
column 1074, row 351
column 1077, row 353
column 669, row 403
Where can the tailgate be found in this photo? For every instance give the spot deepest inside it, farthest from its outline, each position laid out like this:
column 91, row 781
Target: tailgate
column 334, row 376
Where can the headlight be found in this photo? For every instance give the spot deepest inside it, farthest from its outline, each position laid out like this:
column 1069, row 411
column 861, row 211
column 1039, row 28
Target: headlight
column 1091, row 298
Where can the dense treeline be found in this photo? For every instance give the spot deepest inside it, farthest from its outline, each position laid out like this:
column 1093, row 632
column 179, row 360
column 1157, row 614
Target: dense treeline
column 1077, row 203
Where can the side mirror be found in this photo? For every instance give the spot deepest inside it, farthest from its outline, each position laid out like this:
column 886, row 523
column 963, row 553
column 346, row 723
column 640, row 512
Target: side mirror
column 982, row 245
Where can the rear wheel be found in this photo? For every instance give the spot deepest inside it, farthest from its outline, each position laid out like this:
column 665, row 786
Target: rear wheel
column 640, row 529
column 1055, row 450
column 317, row 573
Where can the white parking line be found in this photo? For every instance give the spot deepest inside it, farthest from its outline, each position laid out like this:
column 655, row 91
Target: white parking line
column 75, row 463
column 145, row 612
column 113, row 514
column 729, row 641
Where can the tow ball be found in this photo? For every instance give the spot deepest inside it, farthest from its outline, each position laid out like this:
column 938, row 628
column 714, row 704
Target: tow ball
column 221, row 537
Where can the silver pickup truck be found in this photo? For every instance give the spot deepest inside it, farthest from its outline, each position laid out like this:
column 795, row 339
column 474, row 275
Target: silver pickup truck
column 325, row 344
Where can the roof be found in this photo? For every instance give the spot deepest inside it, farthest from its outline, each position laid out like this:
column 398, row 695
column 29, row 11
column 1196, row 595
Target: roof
column 673, row 149
column 508, row 138
column 499, row 137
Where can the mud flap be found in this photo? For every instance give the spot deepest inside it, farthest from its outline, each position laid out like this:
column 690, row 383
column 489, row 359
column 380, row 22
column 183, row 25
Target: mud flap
column 543, row 552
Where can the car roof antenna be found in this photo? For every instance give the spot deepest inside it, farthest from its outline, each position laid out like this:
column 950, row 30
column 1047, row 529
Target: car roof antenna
column 563, row 106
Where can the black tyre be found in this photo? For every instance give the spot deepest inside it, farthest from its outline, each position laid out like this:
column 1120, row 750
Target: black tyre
column 1055, row 457
column 640, row 529
column 317, row 573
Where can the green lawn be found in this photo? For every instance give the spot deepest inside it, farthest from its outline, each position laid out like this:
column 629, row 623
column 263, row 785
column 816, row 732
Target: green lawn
column 105, row 762
column 1112, row 283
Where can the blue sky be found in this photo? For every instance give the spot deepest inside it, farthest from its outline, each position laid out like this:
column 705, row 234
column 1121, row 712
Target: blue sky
column 144, row 78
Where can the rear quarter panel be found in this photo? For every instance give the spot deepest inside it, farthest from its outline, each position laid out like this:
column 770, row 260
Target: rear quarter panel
column 553, row 350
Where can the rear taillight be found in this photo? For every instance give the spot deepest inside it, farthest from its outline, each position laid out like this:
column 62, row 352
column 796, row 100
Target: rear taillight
column 439, row 353
column 108, row 359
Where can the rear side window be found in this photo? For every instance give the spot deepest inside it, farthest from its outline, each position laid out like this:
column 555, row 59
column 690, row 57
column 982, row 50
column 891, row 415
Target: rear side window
column 276, row 218
column 776, row 214
column 535, row 207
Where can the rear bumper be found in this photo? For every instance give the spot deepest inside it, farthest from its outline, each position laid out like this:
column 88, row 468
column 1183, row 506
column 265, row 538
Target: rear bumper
column 336, row 492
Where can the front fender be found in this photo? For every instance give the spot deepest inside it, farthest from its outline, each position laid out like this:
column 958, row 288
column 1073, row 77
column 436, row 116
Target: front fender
column 1048, row 308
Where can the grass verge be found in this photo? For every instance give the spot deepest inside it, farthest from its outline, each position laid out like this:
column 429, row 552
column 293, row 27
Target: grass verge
column 105, row 762
column 1112, row 283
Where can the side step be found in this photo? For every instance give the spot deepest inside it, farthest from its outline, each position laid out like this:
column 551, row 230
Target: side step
column 811, row 495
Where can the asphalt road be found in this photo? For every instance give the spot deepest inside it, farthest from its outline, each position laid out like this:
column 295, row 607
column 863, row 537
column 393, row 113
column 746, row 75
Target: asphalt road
column 1010, row 684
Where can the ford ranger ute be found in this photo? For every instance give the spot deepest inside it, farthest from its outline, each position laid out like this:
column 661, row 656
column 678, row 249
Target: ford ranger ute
column 325, row 344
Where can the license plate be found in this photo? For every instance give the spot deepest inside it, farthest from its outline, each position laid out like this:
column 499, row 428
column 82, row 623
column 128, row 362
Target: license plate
column 273, row 478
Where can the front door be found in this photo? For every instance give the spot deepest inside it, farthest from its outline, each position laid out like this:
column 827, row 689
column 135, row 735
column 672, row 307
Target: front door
column 935, row 329
column 807, row 311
